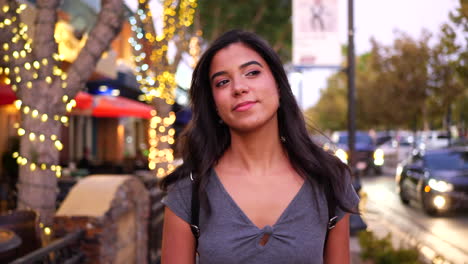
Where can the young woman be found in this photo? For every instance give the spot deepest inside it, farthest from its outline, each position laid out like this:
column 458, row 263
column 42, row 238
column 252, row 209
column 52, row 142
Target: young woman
column 264, row 186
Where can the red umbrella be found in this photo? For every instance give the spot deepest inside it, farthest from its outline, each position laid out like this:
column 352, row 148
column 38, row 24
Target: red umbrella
column 84, row 101
column 116, row 106
column 97, row 105
column 7, row 96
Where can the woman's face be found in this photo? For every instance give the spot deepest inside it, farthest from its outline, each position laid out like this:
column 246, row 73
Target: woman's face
column 244, row 89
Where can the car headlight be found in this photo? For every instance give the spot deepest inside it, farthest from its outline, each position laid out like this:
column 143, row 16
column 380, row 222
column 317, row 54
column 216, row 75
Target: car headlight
column 441, row 186
column 342, row 155
column 378, row 154
column 399, row 170
column 378, row 157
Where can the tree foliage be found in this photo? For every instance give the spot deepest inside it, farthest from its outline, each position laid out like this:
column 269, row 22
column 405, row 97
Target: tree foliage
column 270, row 19
column 330, row 111
column 409, row 84
column 459, row 19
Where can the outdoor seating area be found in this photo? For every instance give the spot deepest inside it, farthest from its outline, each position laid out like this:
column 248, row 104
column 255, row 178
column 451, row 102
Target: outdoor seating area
column 81, row 235
column 19, row 234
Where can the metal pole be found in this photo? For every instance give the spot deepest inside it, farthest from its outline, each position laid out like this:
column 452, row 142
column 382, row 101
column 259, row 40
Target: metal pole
column 351, row 88
column 300, row 91
column 449, row 124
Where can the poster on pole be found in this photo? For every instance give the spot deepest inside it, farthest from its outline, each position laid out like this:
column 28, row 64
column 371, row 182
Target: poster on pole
column 316, row 33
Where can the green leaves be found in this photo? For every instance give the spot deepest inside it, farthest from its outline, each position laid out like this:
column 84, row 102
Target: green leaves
column 409, row 84
column 382, row 250
column 269, row 19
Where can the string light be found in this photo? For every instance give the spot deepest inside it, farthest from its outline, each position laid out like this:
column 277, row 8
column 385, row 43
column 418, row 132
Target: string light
column 47, row 231
column 158, row 81
column 57, row 169
column 13, row 78
column 44, row 117
column 165, row 79
column 32, row 137
column 161, row 155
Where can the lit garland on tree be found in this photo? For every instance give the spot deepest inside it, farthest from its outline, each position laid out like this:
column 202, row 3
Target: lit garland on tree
column 156, row 75
column 25, row 73
column 16, row 53
column 45, row 93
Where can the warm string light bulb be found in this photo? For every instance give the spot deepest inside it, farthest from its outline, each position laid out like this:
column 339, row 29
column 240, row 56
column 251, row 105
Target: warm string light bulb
column 32, row 137
column 44, row 117
column 57, row 169
column 161, row 155
column 160, row 85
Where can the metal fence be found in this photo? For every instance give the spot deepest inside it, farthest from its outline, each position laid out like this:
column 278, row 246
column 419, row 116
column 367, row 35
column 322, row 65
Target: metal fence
column 65, row 250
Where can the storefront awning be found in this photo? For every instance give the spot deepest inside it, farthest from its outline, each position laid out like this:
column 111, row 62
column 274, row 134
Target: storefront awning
column 7, row 96
column 95, row 105
column 112, row 106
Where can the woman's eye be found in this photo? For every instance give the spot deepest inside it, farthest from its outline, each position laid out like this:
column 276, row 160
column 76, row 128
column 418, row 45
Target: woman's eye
column 253, row 73
column 221, row 83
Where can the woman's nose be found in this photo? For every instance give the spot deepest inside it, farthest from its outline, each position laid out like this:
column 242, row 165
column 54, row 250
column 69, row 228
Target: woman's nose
column 240, row 87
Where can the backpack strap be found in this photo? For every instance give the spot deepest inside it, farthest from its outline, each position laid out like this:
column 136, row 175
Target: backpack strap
column 195, row 211
column 332, row 217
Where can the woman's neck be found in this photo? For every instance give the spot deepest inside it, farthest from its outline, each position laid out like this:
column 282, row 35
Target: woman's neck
column 256, row 152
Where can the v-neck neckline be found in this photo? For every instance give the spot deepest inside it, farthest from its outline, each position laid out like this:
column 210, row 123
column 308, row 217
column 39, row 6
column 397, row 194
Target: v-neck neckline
column 244, row 215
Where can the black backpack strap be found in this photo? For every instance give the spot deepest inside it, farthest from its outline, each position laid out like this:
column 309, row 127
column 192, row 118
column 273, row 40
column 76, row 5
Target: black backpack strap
column 195, row 210
column 332, row 217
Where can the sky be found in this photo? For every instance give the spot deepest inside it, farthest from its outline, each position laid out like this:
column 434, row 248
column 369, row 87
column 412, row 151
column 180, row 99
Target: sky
column 378, row 19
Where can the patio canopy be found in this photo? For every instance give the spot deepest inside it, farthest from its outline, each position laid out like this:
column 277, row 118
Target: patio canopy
column 7, row 96
column 95, row 105
column 112, row 106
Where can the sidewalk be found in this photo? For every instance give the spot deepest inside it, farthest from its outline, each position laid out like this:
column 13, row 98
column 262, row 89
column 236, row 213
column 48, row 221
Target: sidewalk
column 380, row 228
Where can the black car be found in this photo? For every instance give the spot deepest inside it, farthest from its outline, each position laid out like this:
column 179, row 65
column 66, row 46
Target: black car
column 368, row 156
column 438, row 179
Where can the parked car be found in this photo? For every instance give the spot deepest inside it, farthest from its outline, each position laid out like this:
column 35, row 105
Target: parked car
column 384, row 137
column 368, row 156
column 437, row 179
column 434, row 139
column 399, row 148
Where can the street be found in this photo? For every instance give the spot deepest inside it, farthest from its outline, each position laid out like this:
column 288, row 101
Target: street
column 444, row 237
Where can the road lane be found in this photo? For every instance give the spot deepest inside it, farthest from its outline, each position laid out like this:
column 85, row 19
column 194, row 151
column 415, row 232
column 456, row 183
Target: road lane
column 445, row 235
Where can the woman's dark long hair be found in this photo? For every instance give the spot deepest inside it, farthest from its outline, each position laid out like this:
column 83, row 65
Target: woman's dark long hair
column 205, row 140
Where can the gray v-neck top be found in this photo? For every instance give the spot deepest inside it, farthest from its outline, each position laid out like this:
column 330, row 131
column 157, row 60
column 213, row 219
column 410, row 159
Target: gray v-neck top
column 228, row 235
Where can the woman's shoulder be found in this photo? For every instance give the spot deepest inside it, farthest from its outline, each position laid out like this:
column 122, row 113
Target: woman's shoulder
column 181, row 184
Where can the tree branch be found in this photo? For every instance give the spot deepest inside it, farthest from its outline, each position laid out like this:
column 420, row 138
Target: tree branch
column 280, row 40
column 44, row 44
column 258, row 17
column 182, row 45
column 107, row 27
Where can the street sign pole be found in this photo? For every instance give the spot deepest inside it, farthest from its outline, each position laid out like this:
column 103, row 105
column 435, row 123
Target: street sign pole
column 351, row 87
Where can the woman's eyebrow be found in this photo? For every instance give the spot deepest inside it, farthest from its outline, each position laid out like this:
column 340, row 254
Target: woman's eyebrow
column 217, row 74
column 240, row 67
column 250, row 63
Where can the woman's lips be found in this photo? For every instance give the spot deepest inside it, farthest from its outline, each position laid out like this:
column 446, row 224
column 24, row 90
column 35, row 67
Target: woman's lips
column 244, row 106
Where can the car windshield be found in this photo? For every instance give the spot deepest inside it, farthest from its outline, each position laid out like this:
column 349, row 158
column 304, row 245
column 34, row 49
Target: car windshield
column 360, row 138
column 447, row 161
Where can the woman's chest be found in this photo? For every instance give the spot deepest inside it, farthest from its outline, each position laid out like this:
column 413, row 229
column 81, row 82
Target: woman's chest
column 229, row 236
column 297, row 239
column 262, row 204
